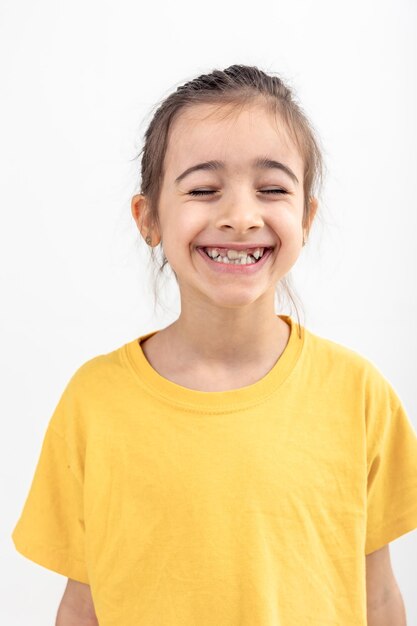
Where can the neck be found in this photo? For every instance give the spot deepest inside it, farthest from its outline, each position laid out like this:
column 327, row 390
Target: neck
column 238, row 337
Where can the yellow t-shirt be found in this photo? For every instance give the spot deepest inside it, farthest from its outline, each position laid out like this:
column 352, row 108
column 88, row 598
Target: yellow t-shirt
column 253, row 506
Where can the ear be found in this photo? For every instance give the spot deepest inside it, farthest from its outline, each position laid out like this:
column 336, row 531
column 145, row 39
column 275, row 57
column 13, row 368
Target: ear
column 140, row 213
column 314, row 203
column 313, row 206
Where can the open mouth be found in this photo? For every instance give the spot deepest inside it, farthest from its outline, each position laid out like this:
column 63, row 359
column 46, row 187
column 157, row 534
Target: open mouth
column 250, row 256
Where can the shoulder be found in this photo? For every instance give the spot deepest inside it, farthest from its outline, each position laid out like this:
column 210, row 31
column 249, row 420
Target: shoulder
column 97, row 372
column 336, row 354
column 88, row 391
column 338, row 360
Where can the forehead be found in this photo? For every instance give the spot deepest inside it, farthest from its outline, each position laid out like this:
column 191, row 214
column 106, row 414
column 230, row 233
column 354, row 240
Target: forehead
column 230, row 133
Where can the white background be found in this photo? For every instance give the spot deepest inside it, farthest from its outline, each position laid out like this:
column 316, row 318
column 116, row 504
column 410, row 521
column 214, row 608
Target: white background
column 78, row 82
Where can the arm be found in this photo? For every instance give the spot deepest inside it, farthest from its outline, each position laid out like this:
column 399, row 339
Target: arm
column 385, row 606
column 76, row 607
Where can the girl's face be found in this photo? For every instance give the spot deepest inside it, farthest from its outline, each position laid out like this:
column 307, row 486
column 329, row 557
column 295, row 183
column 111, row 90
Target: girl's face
column 238, row 206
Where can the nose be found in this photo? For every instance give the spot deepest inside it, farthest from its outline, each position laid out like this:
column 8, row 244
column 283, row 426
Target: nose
column 240, row 212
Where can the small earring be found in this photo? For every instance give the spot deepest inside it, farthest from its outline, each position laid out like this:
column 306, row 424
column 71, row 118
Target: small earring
column 304, row 241
column 148, row 240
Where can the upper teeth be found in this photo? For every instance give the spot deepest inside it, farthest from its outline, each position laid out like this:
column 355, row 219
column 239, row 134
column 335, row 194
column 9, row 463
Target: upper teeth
column 234, row 254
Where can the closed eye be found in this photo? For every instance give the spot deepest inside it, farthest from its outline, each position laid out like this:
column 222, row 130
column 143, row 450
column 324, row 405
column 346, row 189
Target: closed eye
column 205, row 192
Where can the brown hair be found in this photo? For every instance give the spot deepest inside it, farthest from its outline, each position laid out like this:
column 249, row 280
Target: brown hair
column 236, row 85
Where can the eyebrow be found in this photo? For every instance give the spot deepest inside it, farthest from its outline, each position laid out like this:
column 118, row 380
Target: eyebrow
column 259, row 163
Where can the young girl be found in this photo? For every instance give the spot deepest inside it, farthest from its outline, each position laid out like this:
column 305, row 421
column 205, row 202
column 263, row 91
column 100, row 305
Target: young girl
column 233, row 468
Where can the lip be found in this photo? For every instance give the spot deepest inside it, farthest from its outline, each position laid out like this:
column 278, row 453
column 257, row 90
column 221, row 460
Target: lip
column 231, row 268
column 236, row 246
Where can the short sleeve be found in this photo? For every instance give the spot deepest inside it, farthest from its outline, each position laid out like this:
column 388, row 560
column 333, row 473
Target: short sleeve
column 392, row 470
column 51, row 529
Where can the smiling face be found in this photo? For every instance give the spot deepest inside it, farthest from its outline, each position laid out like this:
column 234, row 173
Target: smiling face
column 253, row 195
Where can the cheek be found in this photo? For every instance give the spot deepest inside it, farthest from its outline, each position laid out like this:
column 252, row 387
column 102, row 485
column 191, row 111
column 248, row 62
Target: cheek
column 288, row 229
column 183, row 224
column 289, row 233
column 177, row 243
